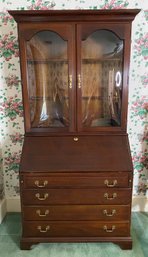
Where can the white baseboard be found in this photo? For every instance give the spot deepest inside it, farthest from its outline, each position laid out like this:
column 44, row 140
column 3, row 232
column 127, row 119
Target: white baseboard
column 13, row 205
column 139, row 204
column 3, row 209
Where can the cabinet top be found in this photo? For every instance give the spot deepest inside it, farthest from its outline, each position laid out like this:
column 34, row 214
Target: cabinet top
column 74, row 15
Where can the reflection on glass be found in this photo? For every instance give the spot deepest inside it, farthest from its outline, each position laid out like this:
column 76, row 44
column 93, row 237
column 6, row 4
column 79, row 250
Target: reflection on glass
column 102, row 57
column 48, row 80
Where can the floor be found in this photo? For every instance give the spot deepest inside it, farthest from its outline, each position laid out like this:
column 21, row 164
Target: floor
column 10, row 231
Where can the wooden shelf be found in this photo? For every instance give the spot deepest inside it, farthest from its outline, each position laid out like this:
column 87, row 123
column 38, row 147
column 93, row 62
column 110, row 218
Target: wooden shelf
column 38, row 98
column 40, row 61
column 100, row 59
column 85, row 60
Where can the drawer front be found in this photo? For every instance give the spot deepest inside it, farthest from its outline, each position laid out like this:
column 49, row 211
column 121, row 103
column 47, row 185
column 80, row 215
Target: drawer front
column 75, row 228
column 102, row 180
column 77, row 212
column 76, row 196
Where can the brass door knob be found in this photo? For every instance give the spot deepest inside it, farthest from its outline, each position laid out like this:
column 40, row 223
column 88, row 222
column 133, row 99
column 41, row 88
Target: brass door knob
column 79, row 81
column 75, row 139
column 70, row 81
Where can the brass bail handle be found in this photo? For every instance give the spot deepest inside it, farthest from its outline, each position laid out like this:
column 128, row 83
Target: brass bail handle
column 114, row 195
column 44, row 184
column 109, row 214
column 109, row 184
column 43, row 230
column 42, row 214
column 109, row 230
column 45, row 196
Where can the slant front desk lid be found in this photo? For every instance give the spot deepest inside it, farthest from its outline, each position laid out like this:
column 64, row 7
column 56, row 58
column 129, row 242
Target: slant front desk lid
column 76, row 154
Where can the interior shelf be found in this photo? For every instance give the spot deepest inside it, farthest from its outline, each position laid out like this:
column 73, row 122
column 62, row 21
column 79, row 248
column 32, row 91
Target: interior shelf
column 99, row 59
column 86, row 60
column 38, row 98
column 38, row 61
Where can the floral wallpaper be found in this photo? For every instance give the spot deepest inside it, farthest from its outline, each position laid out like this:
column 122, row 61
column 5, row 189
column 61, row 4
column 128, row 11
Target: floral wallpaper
column 11, row 108
column 1, row 176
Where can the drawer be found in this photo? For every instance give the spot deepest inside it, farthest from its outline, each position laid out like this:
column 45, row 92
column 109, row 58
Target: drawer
column 75, row 228
column 77, row 212
column 76, row 196
column 105, row 179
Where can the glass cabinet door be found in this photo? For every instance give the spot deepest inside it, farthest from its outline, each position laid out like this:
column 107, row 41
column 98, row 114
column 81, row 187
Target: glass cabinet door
column 101, row 80
column 48, row 80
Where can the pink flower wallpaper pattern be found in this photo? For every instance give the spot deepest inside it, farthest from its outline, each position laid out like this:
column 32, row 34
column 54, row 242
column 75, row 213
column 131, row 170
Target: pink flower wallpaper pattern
column 11, row 108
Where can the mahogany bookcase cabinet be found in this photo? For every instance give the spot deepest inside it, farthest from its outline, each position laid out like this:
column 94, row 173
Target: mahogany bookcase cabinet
column 76, row 169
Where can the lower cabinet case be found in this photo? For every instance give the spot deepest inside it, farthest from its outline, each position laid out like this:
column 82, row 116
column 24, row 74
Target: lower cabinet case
column 84, row 213
column 76, row 195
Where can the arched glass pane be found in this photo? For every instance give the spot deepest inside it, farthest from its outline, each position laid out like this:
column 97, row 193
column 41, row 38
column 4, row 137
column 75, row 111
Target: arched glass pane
column 48, row 80
column 102, row 61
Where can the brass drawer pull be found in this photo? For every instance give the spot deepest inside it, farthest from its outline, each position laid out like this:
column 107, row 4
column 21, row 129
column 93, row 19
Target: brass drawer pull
column 110, row 198
column 41, row 198
column 43, row 231
column 45, row 183
column 109, row 214
column 42, row 215
column 106, row 182
column 109, row 230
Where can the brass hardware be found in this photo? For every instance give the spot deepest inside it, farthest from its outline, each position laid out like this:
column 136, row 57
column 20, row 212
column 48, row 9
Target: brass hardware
column 22, row 181
column 109, row 214
column 116, row 97
column 43, row 185
column 79, row 81
column 70, row 81
column 42, row 215
column 109, row 230
column 43, row 231
column 110, row 198
column 106, row 182
column 75, row 139
column 41, row 198
column 130, row 181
